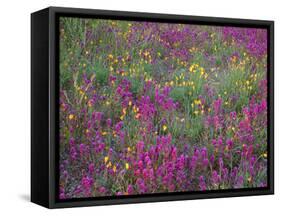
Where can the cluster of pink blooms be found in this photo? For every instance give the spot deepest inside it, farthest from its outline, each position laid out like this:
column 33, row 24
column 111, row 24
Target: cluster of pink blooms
column 162, row 165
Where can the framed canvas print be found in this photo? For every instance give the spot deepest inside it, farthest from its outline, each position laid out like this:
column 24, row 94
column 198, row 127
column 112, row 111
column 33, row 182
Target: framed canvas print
column 139, row 107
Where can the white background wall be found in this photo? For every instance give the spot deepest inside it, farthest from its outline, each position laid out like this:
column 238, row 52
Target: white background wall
column 15, row 107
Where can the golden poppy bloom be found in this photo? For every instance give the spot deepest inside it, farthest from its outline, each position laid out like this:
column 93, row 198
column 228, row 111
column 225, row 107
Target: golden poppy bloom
column 71, row 116
column 106, row 158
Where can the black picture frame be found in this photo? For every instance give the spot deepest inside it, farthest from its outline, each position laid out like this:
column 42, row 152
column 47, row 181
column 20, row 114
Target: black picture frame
column 44, row 106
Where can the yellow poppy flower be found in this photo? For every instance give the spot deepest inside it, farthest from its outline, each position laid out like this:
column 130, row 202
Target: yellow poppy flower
column 106, row 158
column 71, row 116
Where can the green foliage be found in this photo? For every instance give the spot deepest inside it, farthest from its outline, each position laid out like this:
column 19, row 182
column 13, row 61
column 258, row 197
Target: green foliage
column 194, row 128
column 230, row 85
column 102, row 74
column 178, row 94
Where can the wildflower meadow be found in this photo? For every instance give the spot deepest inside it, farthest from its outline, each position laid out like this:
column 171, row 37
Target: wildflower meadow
column 149, row 107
